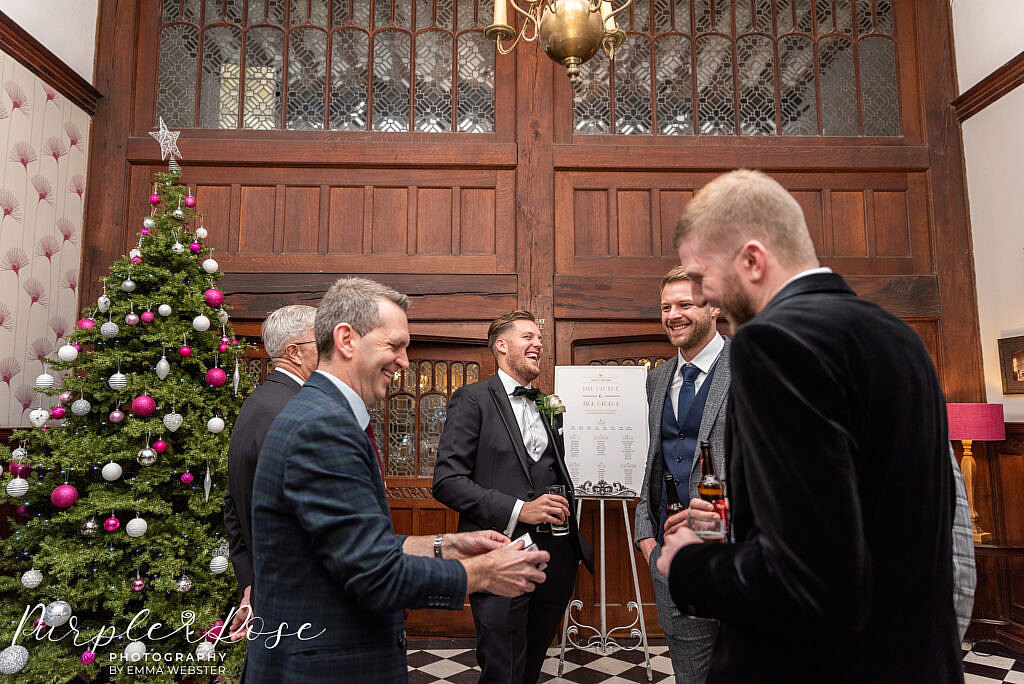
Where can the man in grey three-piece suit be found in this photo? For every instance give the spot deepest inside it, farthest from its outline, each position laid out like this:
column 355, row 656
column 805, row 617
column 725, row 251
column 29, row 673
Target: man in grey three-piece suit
column 687, row 399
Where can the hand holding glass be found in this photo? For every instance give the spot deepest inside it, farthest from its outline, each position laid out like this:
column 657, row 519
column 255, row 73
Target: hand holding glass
column 559, row 529
column 707, row 528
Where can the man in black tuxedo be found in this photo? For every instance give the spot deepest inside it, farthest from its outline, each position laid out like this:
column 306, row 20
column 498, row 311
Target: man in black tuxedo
column 496, row 457
column 289, row 341
column 840, row 483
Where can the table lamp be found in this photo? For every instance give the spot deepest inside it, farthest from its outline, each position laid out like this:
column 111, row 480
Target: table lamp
column 967, row 423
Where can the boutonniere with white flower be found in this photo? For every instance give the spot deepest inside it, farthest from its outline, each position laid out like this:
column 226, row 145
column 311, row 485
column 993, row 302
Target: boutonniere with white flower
column 550, row 405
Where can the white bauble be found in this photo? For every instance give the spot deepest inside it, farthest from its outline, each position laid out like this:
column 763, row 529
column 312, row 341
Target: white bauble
column 178, row 248
column 31, row 579
column 218, row 565
column 128, row 285
column 67, row 353
column 222, row 316
column 134, row 253
column 136, row 527
column 17, row 487
column 135, row 651
column 57, row 613
column 210, row 266
column 201, row 323
column 162, row 368
column 44, row 381
column 19, row 453
column 117, row 381
column 109, row 329
column 201, row 233
column 173, row 421
column 205, row 651
column 148, row 223
column 13, row 658
column 164, row 310
column 81, row 407
column 215, row 424
column 38, row 417
column 103, row 303
column 111, row 471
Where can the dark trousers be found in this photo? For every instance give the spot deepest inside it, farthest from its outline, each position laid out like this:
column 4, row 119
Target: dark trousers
column 513, row 634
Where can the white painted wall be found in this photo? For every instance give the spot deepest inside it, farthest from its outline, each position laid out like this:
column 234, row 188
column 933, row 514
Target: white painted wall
column 66, row 27
column 987, row 34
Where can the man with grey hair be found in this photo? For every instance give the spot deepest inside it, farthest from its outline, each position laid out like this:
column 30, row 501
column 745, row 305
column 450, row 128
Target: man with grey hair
column 327, row 561
column 287, row 335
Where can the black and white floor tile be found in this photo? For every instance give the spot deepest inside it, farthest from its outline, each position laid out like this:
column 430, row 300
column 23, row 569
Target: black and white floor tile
column 440, row 661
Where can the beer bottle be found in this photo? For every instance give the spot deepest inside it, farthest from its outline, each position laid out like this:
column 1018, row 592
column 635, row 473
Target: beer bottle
column 672, row 502
column 710, row 488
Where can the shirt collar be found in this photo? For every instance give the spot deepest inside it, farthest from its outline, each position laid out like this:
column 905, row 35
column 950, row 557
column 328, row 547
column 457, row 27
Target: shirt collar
column 509, row 384
column 291, row 375
column 354, row 400
column 810, row 271
column 707, row 356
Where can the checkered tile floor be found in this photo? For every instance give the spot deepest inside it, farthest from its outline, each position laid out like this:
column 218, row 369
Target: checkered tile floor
column 439, row 661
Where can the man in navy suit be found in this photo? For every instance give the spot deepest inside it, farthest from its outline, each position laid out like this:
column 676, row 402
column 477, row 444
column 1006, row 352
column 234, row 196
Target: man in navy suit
column 287, row 335
column 841, row 490
column 330, row 573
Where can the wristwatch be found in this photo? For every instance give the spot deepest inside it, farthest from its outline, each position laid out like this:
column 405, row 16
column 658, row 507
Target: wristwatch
column 437, row 546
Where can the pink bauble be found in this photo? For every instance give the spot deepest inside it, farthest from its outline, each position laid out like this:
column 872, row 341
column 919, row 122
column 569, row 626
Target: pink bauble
column 190, row 202
column 111, row 524
column 21, row 511
column 214, row 632
column 63, row 496
column 86, row 324
column 185, row 350
column 57, row 412
column 234, row 341
column 195, row 248
column 148, row 316
column 88, row 658
column 116, row 416
column 136, row 260
column 144, row 231
column 222, row 347
column 216, row 377
column 138, row 584
column 225, row 338
column 131, row 319
column 187, row 477
column 154, row 198
column 38, row 624
column 19, row 469
column 214, row 297
column 65, row 397
column 77, row 347
column 159, row 446
column 143, row 406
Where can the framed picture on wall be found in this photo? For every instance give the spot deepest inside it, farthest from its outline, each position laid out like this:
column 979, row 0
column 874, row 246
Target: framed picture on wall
column 1011, row 363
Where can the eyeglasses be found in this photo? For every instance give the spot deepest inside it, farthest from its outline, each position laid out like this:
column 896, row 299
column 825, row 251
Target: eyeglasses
column 299, row 344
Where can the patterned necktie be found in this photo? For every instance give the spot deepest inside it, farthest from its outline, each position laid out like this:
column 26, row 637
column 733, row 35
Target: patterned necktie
column 376, row 451
column 686, row 392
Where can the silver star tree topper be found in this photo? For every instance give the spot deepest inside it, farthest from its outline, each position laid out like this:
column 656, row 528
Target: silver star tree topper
column 168, row 141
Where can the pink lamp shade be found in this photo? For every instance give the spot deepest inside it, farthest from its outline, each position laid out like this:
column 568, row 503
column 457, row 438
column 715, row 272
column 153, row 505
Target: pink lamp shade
column 982, row 422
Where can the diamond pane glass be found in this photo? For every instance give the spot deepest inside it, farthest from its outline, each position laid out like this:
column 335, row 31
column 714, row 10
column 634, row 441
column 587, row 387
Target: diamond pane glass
column 592, row 109
column 714, row 86
column 377, row 420
column 472, row 373
column 794, row 16
column 410, row 378
column 879, row 93
column 662, row 15
column 298, row 12
column 475, row 97
column 433, row 413
column 218, row 101
column 340, row 13
column 176, row 91
column 823, row 14
column 755, row 59
column 392, row 12
column 396, row 381
column 401, row 436
column 674, row 85
column 441, row 377
column 838, row 87
column 264, row 48
column 713, row 16
column 350, row 73
column 426, row 374
column 266, row 12
column 798, row 107
column 391, row 81
column 307, row 57
column 843, row 16
column 458, row 376
column 433, row 111
column 883, row 17
column 633, row 87
column 865, row 24
column 641, row 16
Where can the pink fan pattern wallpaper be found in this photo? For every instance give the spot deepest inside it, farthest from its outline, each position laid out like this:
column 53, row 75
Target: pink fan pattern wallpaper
column 42, row 199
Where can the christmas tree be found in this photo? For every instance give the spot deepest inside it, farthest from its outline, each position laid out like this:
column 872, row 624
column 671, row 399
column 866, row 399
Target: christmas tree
column 120, row 485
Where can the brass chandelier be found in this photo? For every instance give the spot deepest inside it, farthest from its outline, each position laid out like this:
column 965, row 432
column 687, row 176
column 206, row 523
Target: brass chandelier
column 570, row 31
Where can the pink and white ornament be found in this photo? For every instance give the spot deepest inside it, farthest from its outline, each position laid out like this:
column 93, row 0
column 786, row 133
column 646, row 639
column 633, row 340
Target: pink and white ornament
column 143, row 406
column 185, row 350
column 116, row 416
column 58, row 412
column 159, row 446
column 64, row 496
column 187, row 477
column 190, row 202
column 147, row 316
column 195, row 247
column 154, row 199
column 138, row 584
column 216, row 377
column 131, row 318
column 65, row 397
column 88, row 657
column 85, row 324
column 214, row 297
column 111, row 524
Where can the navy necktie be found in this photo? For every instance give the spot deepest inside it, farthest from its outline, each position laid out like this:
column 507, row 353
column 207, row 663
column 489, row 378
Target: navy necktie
column 686, row 392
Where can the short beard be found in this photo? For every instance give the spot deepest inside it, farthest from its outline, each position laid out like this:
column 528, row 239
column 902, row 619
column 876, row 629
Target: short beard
column 523, row 371
column 736, row 303
column 698, row 334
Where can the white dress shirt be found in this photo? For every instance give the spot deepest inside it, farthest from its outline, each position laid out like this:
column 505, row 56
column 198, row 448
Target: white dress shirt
column 354, row 400
column 291, row 375
column 704, row 360
column 531, row 427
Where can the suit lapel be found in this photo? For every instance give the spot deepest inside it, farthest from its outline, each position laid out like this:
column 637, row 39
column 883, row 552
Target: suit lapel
column 717, row 393
column 504, row 407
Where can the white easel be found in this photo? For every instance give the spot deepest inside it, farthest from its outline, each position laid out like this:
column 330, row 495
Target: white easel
column 602, row 638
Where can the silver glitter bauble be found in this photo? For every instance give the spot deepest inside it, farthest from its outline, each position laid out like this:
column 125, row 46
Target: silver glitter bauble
column 184, row 584
column 201, row 323
column 205, row 651
column 89, row 528
column 67, row 353
column 218, row 565
column 117, row 381
column 178, row 214
column 19, row 453
column 109, row 329
column 136, row 527
column 57, row 613
column 146, row 456
column 103, row 303
column 135, row 651
column 136, row 252
column 222, row 316
column 111, row 471
column 81, row 407
column 173, row 421
column 201, row 233
column 215, row 424
column 178, row 248
column 44, row 381
column 31, row 579
column 13, row 658
column 128, row 285
column 162, row 368
column 164, row 310
column 148, row 223
column 17, row 487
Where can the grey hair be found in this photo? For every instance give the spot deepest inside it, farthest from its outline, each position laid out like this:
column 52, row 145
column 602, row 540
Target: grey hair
column 354, row 301
column 284, row 324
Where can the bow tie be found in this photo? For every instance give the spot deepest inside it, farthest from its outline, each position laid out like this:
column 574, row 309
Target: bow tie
column 528, row 392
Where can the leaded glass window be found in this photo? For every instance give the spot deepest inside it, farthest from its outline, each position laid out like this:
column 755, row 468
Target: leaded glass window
column 746, row 67
column 349, row 65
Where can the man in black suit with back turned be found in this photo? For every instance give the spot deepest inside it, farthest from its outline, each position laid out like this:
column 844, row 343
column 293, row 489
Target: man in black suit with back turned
column 289, row 341
column 840, row 482
column 496, row 456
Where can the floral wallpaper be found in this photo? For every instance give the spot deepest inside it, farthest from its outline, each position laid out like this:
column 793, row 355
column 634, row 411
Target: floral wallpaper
column 42, row 191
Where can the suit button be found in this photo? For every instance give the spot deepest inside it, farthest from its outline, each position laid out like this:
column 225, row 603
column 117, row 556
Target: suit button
column 551, row 468
column 679, row 459
column 682, row 436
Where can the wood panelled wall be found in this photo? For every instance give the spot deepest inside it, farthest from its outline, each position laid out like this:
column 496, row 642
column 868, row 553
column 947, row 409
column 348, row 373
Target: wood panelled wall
column 576, row 228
